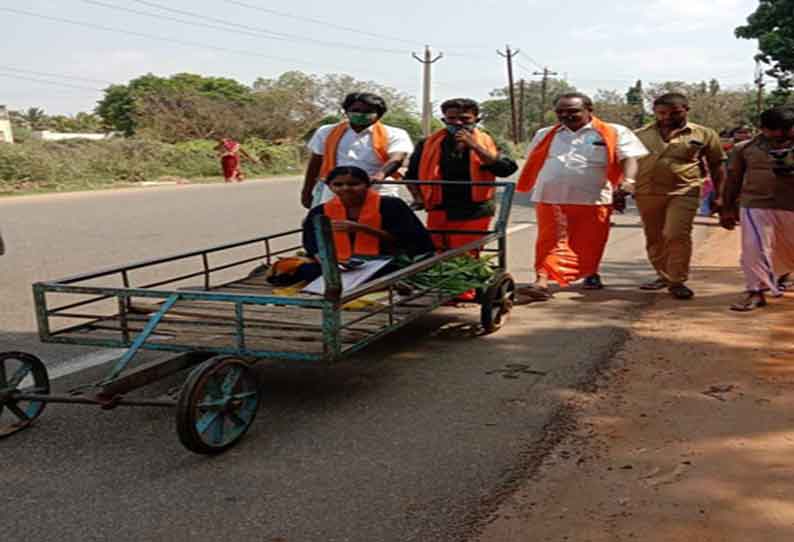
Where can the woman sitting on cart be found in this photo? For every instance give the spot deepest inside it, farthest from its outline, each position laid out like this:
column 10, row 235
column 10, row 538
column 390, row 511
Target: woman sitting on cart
column 364, row 223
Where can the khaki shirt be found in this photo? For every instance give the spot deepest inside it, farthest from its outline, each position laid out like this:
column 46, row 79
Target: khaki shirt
column 675, row 167
column 761, row 186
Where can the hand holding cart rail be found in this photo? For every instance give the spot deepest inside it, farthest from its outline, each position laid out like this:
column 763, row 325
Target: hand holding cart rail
column 225, row 325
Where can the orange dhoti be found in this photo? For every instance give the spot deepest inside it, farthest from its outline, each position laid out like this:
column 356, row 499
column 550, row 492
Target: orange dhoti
column 437, row 220
column 571, row 240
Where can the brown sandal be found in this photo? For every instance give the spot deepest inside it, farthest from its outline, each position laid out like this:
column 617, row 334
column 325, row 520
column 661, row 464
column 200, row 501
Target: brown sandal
column 535, row 293
column 753, row 300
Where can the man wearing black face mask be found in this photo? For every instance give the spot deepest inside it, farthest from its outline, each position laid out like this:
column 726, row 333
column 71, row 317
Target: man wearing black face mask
column 362, row 141
column 458, row 152
column 760, row 189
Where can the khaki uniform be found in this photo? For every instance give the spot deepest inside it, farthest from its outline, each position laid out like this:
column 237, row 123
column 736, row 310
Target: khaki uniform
column 668, row 193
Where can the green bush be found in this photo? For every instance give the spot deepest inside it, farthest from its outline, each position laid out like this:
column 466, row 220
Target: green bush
column 80, row 164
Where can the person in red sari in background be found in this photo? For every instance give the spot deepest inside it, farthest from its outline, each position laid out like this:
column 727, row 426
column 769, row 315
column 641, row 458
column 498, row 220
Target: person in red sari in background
column 230, row 152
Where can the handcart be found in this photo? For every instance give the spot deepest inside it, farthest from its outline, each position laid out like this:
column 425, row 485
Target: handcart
column 221, row 327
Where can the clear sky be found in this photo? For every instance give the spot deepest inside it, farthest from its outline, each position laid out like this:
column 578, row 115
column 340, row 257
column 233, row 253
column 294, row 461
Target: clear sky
column 595, row 44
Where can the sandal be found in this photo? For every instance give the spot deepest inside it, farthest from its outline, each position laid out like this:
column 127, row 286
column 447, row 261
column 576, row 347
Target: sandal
column 679, row 291
column 656, row 284
column 536, row 293
column 593, row 282
column 752, row 301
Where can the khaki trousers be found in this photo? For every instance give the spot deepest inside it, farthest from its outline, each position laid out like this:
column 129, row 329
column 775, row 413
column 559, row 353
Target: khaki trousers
column 667, row 221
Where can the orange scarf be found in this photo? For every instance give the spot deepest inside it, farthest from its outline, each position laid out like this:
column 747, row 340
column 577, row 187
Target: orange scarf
column 365, row 244
column 430, row 168
column 529, row 175
column 380, row 144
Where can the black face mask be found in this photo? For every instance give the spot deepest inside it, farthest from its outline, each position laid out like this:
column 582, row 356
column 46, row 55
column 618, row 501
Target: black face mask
column 783, row 161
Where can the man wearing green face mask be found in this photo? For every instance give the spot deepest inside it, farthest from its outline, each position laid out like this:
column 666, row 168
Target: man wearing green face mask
column 362, row 141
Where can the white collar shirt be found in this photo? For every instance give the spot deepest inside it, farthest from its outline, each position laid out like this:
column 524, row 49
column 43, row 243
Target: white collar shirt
column 575, row 171
column 355, row 149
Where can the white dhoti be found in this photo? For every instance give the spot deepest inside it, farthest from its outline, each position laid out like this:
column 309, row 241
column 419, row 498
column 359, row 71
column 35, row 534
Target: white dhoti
column 767, row 247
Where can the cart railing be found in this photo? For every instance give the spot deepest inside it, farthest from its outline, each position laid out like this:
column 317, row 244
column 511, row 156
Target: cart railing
column 109, row 316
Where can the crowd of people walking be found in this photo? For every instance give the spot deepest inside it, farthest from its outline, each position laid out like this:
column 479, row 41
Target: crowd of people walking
column 579, row 171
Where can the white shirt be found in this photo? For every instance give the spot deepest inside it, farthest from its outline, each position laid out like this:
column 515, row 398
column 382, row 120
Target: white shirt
column 575, row 171
column 355, row 149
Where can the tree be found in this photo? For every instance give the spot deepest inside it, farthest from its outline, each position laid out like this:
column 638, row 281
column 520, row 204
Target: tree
column 34, row 118
column 709, row 104
column 496, row 113
column 612, row 106
column 119, row 107
column 772, row 24
column 635, row 97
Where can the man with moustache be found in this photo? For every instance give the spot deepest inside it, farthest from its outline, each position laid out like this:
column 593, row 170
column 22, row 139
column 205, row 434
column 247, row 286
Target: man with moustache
column 668, row 187
column 574, row 169
column 760, row 189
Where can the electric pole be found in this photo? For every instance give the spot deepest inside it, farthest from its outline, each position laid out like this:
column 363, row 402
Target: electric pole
column 544, row 88
column 427, row 112
column 759, row 82
column 509, row 56
column 521, row 116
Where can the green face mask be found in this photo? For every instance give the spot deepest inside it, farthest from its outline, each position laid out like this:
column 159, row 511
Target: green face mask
column 362, row 119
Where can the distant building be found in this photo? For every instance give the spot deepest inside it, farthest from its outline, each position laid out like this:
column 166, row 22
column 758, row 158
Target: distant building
column 46, row 135
column 6, row 135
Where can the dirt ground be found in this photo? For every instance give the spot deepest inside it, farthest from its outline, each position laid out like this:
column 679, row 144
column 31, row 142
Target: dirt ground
column 689, row 435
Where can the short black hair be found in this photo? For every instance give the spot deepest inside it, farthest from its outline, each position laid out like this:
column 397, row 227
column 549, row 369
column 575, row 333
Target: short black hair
column 778, row 118
column 353, row 171
column 372, row 100
column 672, row 99
column 464, row 104
column 586, row 100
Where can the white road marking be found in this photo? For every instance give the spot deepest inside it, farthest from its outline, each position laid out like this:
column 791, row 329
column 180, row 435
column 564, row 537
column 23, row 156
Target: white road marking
column 82, row 363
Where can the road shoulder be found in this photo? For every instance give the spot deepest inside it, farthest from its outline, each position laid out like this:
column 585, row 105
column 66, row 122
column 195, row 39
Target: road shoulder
column 688, row 435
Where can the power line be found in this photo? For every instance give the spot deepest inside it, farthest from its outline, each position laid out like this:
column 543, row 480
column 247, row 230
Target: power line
column 48, row 82
column 155, row 37
column 357, row 31
column 532, row 60
column 58, row 75
column 235, row 28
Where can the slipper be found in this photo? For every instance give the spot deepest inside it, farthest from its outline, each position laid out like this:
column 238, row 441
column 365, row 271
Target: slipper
column 536, row 293
column 754, row 300
column 593, row 282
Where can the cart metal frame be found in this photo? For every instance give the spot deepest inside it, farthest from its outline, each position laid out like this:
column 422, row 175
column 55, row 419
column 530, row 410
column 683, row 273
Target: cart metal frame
column 110, row 316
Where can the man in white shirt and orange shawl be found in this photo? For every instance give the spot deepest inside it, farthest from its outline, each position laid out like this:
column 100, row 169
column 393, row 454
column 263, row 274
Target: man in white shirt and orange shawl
column 361, row 140
column 574, row 169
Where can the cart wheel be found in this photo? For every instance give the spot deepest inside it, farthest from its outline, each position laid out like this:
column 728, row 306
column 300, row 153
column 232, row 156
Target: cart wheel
column 20, row 373
column 497, row 302
column 217, row 405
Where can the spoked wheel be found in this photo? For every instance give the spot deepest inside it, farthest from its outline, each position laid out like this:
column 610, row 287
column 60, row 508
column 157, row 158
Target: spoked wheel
column 497, row 302
column 217, row 405
column 20, row 373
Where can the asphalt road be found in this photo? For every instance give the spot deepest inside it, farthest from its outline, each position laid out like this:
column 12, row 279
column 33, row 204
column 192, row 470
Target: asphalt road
column 416, row 440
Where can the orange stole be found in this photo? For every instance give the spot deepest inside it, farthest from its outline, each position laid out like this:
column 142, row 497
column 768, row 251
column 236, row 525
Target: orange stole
column 430, row 169
column 537, row 157
column 380, row 144
column 365, row 244
column 571, row 240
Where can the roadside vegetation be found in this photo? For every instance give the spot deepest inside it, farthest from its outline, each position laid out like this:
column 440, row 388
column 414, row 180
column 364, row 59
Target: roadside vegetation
column 166, row 127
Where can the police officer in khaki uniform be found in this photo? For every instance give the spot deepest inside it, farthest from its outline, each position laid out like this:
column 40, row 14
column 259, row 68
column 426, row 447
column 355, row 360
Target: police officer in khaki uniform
column 668, row 187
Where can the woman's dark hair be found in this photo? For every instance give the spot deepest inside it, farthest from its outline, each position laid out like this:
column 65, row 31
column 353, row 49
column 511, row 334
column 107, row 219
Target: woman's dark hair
column 672, row 99
column 778, row 118
column 464, row 104
column 374, row 101
column 353, row 171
